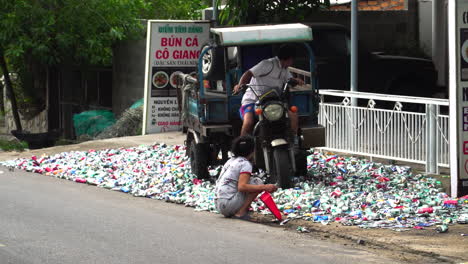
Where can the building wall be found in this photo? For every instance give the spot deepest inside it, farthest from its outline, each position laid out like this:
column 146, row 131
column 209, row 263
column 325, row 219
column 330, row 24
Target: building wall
column 128, row 74
column 388, row 31
column 374, row 5
column 378, row 31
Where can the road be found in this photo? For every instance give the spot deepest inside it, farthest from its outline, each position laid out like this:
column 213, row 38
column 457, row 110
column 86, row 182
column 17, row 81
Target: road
column 49, row 220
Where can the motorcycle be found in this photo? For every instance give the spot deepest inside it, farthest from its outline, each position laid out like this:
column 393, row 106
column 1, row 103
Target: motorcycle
column 276, row 151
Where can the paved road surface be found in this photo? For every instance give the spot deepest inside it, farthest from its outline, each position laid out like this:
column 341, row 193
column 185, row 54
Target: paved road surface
column 48, row 220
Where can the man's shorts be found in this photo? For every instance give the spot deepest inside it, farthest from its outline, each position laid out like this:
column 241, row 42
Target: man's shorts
column 229, row 207
column 246, row 109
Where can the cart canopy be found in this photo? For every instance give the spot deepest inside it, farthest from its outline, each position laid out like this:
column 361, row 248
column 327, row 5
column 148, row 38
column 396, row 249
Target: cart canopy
column 253, row 35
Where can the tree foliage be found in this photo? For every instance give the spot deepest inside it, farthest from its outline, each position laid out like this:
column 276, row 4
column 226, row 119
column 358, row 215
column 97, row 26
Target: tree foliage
column 54, row 31
column 239, row 12
column 37, row 34
column 79, row 31
column 176, row 9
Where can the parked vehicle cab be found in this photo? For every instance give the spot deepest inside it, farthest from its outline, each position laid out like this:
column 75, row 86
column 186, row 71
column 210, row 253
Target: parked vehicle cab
column 211, row 111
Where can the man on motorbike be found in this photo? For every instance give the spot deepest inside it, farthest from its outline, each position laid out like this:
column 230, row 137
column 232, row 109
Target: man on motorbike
column 269, row 74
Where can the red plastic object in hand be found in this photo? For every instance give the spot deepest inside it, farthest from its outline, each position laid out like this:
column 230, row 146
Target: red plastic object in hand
column 268, row 201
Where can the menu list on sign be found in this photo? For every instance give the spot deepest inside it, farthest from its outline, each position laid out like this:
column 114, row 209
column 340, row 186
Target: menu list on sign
column 164, row 110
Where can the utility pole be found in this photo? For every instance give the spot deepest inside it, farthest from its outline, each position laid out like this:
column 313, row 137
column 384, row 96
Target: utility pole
column 354, row 49
column 215, row 13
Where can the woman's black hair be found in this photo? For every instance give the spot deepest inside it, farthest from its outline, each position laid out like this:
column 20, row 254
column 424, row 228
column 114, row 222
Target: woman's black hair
column 242, row 146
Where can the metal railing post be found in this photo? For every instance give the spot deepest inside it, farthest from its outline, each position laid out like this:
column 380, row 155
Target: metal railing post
column 431, row 139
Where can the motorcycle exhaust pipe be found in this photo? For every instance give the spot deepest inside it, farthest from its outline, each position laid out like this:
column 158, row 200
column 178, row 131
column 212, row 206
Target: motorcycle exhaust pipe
column 293, row 158
column 265, row 157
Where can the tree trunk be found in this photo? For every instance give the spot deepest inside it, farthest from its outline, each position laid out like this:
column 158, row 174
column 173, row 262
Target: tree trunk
column 2, row 102
column 10, row 92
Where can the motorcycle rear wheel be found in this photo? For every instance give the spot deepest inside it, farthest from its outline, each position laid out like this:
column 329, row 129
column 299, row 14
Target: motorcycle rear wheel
column 282, row 167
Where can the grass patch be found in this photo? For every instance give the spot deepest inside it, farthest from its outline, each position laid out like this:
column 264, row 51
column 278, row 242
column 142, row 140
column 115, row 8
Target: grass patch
column 10, row 145
column 63, row 141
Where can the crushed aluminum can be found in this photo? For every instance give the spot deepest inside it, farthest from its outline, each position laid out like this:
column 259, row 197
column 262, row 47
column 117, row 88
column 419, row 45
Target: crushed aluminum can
column 285, row 221
column 442, row 228
column 463, row 219
column 302, row 229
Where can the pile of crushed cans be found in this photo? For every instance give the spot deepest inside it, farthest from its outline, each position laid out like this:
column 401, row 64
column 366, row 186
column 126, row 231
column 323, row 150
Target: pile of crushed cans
column 346, row 190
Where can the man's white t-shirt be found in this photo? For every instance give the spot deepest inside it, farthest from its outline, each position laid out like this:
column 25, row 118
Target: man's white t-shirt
column 267, row 74
column 226, row 186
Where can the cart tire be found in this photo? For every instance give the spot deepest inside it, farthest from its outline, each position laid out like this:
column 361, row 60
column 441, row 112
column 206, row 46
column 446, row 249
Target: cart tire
column 301, row 162
column 283, row 171
column 188, row 144
column 199, row 156
column 213, row 63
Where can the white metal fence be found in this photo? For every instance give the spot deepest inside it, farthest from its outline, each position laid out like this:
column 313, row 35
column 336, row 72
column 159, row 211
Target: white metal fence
column 419, row 137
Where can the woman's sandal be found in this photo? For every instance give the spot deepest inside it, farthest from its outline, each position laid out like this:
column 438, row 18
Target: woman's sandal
column 245, row 217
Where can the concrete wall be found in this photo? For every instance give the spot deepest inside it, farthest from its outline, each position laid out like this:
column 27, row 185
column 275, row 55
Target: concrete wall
column 128, row 74
column 425, row 25
column 37, row 124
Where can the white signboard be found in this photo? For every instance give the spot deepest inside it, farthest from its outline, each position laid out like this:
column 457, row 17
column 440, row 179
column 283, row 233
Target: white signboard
column 458, row 59
column 172, row 47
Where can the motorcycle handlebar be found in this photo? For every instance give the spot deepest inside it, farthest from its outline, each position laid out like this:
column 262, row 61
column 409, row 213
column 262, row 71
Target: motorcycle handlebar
column 293, row 82
column 187, row 78
column 242, row 88
column 190, row 79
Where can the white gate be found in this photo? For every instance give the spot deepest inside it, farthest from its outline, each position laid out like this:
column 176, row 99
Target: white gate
column 383, row 128
column 393, row 133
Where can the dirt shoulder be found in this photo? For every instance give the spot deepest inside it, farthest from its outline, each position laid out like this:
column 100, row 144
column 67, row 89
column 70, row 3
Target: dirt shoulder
column 170, row 138
column 413, row 246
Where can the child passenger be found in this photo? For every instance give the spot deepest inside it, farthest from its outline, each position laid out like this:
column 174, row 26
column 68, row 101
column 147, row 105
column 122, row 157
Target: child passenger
column 235, row 188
